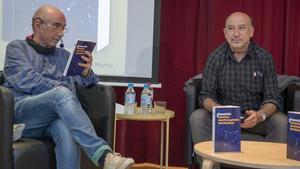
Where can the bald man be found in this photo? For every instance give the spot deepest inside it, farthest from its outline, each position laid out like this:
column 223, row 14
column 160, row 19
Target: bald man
column 46, row 101
column 241, row 73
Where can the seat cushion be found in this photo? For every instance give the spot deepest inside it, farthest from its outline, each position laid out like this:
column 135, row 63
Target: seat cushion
column 34, row 154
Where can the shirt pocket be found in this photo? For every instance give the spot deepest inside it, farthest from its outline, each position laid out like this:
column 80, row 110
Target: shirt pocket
column 255, row 85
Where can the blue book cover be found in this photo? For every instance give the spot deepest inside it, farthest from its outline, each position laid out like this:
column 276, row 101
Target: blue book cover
column 293, row 144
column 226, row 132
column 72, row 67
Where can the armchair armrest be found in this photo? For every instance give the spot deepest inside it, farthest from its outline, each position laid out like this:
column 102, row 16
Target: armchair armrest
column 6, row 127
column 99, row 103
column 192, row 88
column 292, row 97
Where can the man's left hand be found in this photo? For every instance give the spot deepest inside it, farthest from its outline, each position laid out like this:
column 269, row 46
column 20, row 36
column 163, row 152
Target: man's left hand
column 251, row 120
column 88, row 59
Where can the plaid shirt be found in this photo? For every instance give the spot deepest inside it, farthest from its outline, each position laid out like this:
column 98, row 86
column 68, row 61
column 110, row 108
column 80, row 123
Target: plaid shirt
column 249, row 83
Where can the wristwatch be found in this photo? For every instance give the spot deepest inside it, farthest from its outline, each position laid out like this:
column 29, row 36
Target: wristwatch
column 263, row 115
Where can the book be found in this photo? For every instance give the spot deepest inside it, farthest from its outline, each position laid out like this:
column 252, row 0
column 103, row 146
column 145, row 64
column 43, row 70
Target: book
column 72, row 68
column 293, row 143
column 226, row 130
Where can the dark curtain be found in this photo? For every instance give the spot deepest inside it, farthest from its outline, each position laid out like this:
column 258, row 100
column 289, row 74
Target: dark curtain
column 190, row 30
column 276, row 22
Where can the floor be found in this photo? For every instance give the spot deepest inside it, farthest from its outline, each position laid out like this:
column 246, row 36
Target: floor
column 156, row 166
column 152, row 166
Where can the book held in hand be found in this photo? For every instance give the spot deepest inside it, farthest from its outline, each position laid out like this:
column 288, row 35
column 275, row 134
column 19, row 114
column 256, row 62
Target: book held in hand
column 226, row 132
column 293, row 144
column 72, row 68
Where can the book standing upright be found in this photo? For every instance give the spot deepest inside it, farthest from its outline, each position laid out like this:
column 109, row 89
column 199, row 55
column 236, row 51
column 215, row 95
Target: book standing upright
column 226, row 132
column 293, row 144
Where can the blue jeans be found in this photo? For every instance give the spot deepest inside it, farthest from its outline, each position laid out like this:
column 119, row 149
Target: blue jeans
column 57, row 113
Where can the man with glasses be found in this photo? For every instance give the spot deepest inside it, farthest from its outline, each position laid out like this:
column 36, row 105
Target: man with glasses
column 241, row 73
column 45, row 100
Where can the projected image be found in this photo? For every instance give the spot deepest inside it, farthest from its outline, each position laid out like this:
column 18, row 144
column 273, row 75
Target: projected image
column 123, row 31
column 85, row 20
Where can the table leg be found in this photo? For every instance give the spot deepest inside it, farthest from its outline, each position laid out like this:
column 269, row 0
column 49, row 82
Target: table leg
column 115, row 130
column 161, row 143
column 209, row 164
column 167, row 142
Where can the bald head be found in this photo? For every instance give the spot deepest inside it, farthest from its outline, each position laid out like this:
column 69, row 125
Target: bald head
column 46, row 12
column 238, row 16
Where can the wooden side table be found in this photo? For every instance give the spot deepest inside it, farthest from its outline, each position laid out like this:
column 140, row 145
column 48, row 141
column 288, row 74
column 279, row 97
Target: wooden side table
column 151, row 117
column 254, row 154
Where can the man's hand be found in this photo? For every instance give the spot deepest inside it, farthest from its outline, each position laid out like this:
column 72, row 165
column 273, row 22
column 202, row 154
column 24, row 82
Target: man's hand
column 209, row 103
column 88, row 58
column 256, row 117
column 252, row 120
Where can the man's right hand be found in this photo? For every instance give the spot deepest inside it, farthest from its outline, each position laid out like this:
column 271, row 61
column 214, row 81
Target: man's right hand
column 209, row 103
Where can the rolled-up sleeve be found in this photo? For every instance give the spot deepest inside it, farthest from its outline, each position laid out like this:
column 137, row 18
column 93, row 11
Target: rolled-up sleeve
column 270, row 90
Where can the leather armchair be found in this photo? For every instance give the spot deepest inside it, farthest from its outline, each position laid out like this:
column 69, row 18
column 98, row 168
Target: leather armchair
column 290, row 91
column 26, row 153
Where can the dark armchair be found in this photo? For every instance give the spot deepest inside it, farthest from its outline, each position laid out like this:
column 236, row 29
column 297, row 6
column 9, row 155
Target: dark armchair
column 290, row 91
column 99, row 103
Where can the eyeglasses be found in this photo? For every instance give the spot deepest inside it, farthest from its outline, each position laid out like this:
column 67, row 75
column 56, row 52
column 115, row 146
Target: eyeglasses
column 55, row 26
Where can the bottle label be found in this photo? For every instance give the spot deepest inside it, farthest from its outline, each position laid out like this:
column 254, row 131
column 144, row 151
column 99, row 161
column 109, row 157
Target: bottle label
column 130, row 98
column 146, row 99
column 151, row 93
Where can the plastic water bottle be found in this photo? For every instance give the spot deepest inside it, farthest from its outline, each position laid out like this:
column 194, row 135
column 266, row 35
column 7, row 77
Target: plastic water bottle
column 150, row 90
column 146, row 100
column 130, row 100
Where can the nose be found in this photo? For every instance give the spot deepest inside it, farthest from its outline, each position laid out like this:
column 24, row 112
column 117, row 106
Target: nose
column 236, row 32
column 61, row 33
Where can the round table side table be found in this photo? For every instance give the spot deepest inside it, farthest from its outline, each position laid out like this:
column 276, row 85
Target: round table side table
column 254, row 154
column 165, row 117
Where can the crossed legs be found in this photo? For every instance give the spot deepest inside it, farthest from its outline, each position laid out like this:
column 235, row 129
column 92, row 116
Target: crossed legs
column 58, row 113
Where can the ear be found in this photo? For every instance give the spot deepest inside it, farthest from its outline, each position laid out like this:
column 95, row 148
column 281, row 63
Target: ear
column 36, row 24
column 224, row 31
column 251, row 31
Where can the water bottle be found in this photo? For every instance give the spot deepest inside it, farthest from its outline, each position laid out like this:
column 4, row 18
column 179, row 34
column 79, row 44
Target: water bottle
column 150, row 90
column 130, row 100
column 146, row 101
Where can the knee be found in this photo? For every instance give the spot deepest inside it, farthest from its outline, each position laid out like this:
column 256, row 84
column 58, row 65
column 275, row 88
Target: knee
column 199, row 117
column 278, row 121
column 61, row 93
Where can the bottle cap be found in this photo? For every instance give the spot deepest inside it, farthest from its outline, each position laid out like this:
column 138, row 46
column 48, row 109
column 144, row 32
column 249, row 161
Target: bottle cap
column 146, row 86
column 130, row 84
